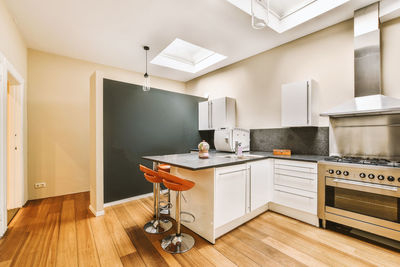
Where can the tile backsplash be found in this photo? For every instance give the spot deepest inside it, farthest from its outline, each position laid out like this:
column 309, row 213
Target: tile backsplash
column 301, row 140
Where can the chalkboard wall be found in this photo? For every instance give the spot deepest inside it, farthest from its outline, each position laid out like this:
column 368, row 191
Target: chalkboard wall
column 138, row 123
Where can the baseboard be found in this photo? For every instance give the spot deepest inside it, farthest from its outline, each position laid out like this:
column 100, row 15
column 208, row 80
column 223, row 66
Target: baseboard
column 296, row 214
column 121, row 201
column 63, row 194
column 96, row 213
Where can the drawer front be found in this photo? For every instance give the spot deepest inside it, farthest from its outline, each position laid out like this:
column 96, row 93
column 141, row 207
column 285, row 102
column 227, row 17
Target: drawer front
column 296, row 199
column 292, row 165
column 308, row 184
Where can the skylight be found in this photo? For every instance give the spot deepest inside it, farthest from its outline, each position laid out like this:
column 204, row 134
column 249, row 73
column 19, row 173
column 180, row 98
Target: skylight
column 287, row 14
column 184, row 56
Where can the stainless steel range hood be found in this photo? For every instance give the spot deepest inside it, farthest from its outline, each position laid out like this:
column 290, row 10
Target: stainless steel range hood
column 367, row 70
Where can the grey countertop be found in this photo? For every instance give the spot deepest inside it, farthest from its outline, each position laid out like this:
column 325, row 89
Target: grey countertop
column 191, row 161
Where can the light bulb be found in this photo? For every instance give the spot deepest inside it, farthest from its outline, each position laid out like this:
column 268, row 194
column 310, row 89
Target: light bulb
column 146, row 83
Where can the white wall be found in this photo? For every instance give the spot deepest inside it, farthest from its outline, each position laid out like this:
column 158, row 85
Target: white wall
column 12, row 44
column 326, row 56
column 58, row 115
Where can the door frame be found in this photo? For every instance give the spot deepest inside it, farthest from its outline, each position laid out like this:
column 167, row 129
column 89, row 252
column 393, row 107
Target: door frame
column 6, row 68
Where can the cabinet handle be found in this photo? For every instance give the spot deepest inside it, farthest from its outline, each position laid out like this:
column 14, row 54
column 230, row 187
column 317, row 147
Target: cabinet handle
column 308, row 104
column 209, row 115
column 293, row 194
column 310, row 179
column 211, row 122
column 222, row 173
column 248, row 198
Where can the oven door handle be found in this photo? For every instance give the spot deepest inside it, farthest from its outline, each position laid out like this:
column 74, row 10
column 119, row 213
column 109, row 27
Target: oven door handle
column 377, row 186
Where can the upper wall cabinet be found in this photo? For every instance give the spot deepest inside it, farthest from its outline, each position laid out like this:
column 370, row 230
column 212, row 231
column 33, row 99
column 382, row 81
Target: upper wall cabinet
column 217, row 113
column 298, row 107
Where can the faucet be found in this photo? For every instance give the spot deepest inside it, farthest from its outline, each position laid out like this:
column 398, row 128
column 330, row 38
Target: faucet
column 237, row 145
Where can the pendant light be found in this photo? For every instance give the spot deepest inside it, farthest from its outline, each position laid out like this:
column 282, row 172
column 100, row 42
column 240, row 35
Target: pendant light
column 260, row 20
column 146, row 82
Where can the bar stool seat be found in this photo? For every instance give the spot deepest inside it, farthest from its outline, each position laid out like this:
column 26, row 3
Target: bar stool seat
column 164, row 167
column 156, row 226
column 179, row 242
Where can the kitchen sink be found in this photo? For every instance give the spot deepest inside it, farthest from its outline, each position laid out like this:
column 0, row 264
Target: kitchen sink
column 241, row 157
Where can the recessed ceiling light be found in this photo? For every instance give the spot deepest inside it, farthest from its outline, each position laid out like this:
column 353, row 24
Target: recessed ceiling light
column 184, row 56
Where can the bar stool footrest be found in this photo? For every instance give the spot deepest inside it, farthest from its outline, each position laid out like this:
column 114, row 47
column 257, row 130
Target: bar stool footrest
column 188, row 214
column 157, row 226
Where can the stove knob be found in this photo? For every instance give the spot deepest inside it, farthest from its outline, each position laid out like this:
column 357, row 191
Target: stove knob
column 390, row 178
column 338, row 172
column 331, row 171
column 345, row 173
column 371, row 176
column 381, row 177
column 362, row 175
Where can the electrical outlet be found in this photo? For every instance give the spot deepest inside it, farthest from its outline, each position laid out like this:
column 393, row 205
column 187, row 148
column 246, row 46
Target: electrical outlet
column 40, row 185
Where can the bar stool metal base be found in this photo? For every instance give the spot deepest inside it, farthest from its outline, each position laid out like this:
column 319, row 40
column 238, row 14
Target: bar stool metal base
column 157, row 226
column 177, row 243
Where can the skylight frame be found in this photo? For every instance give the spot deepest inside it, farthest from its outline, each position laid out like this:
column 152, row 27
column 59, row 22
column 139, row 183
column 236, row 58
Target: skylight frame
column 166, row 57
column 280, row 24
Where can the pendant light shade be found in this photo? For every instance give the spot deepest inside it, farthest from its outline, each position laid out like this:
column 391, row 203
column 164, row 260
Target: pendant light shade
column 146, row 82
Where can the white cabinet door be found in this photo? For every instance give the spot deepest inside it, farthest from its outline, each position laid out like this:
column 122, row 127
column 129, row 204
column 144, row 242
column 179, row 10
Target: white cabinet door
column 204, row 115
column 218, row 113
column 295, row 104
column 260, row 174
column 230, row 194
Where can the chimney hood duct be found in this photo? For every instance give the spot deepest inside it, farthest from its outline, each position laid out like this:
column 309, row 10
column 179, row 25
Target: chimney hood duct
column 367, row 70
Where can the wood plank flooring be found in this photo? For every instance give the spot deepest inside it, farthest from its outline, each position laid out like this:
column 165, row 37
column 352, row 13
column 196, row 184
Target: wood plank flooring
column 60, row 231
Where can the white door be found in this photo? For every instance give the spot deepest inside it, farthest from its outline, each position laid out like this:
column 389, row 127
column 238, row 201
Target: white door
column 204, row 115
column 218, row 113
column 15, row 185
column 230, row 194
column 3, row 154
column 260, row 173
column 295, row 104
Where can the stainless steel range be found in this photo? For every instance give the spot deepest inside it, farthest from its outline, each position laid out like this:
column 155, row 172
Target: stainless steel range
column 360, row 193
column 360, row 187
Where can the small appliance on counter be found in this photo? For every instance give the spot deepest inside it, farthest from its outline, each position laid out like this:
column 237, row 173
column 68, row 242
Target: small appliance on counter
column 226, row 138
column 203, row 150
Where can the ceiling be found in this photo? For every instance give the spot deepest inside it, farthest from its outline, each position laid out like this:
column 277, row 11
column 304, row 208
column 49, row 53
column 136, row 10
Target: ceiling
column 113, row 32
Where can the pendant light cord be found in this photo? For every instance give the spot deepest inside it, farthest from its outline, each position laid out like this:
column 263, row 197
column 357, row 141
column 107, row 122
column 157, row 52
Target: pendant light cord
column 146, row 61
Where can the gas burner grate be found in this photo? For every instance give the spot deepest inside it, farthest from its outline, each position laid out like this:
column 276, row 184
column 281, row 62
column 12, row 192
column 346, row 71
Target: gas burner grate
column 365, row 161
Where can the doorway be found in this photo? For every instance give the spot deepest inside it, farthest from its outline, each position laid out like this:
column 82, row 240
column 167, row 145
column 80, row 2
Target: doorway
column 15, row 186
column 13, row 182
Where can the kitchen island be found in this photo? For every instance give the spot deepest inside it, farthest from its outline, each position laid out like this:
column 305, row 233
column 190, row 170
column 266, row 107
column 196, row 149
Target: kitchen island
column 229, row 190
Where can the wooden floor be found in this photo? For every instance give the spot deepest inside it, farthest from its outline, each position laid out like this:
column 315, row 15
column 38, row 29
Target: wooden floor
column 10, row 214
column 61, row 232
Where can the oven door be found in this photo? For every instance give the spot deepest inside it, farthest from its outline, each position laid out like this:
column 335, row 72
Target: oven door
column 355, row 197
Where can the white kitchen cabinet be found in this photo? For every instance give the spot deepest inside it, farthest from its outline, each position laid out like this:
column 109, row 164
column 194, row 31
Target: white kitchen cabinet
column 217, row 113
column 295, row 190
column 230, row 193
column 260, row 173
column 299, row 104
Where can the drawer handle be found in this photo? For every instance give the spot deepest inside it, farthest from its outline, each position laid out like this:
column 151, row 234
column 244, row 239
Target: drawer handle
column 311, row 179
column 303, row 167
column 229, row 172
column 293, row 194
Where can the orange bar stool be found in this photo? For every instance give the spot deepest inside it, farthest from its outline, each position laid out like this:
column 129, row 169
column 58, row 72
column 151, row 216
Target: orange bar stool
column 179, row 242
column 166, row 205
column 155, row 226
column 164, row 167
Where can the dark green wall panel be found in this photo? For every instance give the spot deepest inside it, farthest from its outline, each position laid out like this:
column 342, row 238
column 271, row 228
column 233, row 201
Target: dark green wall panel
column 138, row 123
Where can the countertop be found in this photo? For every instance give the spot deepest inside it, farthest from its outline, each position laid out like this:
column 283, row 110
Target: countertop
column 191, row 161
